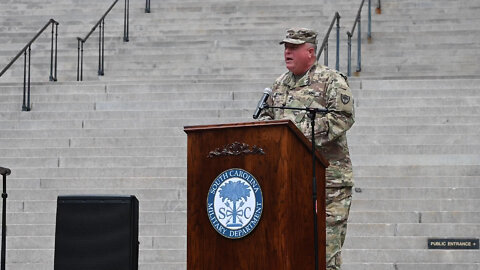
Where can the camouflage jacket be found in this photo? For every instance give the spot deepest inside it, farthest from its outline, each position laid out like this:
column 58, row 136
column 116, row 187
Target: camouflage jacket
column 320, row 87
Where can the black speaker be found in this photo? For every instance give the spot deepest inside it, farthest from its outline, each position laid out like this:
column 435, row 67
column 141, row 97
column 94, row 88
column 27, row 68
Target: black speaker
column 96, row 233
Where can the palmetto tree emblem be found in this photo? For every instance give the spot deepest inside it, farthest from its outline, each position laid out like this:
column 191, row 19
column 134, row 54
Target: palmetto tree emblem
column 233, row 192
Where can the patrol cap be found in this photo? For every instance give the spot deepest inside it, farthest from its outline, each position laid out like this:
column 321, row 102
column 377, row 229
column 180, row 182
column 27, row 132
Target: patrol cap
column 300, row 36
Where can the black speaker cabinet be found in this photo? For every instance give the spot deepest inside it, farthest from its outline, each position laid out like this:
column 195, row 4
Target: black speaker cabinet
column 96, row 233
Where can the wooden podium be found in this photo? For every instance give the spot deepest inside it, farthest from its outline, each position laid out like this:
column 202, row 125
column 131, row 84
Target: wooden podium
column 279, row 156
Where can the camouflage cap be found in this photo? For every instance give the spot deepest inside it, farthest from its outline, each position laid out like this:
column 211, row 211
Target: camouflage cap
column 300, row 36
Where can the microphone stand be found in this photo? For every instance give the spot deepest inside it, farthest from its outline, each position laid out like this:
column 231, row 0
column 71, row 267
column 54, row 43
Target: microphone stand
column 311, row 113
column 4, row 172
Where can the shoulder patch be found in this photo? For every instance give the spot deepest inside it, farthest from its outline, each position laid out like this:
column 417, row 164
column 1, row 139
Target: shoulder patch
column 345, row 99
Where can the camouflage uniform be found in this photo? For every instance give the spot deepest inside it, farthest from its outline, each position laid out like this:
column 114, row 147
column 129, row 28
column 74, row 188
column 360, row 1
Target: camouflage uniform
column 322, row 87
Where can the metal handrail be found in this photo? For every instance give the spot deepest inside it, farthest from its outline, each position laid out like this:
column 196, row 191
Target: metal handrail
column 125, row 20
column 101, row 40
column 147, row 6
column 324, row 46
column 378, row 10
column 4, row 172
column 359, row 38
column 27, row 50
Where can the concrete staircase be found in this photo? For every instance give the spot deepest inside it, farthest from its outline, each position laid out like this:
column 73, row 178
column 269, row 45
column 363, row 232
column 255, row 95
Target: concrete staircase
column 414, row 146
column 419, row 39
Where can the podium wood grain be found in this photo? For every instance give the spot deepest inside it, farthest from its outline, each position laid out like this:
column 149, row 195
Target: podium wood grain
column 283, row 239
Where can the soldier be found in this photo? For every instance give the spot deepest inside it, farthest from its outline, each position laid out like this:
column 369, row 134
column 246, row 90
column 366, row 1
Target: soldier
column 308, row 84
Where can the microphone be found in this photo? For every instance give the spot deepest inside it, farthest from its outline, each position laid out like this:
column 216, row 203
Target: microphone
column 261, row 103
column 5, row 171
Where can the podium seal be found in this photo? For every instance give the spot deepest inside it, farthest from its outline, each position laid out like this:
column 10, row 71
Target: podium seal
column 234, row 203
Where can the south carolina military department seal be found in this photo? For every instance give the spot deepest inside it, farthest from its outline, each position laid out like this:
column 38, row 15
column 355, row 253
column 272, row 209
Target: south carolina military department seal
column 234, row 203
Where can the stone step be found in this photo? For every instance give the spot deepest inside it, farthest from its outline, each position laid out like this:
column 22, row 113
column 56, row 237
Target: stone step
column 416, row 181
column 149, row 205
column 402, row 112
column 159, row 182
column 410, row 266
column 407, row 139
column 131, row 87
column 141, row 194
column 43, row 256
column 420, row 84
column 422, row 149
column 113, row 142
column 424, row 217
column 408, row 120
column 451, row 129
column 364, row 118
column 68, row 133
column 453, row 230
column 414, row 93
column 458, row 205
column 111, row 182
column 112, row 138
column 48, row 242
column 151, row 218
column 395, row 193
column 412, row 170
column 106, row 115
column 93, row 182
column 95, row 161
column 415, row 160
column 99, row 172
column 388, row 100
column 417, row 256
column 142, row 265
column 55, row 151
column 158, row 230
column 53, row 148
column 387, row 242
column 355, row 230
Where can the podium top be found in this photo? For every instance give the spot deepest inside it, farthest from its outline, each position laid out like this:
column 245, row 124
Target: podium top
column 289, row 124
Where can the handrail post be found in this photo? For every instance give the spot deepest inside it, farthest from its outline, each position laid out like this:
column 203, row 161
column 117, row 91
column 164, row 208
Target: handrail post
column 78, row 59
column 369, row 20
column 349, row 62
column 103, row 47
column 24, row 106
column 337, row 65
column 378, row 10
column 81, row 61
column 29, row 65
column 359, row 46
column 125, row 22
column 51, row 56
column 4, row 172
column 325, row 55
column 53, row 63
column 147, row 6
column 99, row 72
column 56, row 50
column 101, row 37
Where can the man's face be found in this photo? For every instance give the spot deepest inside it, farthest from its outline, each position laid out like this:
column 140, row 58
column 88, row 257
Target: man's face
column 298, row 58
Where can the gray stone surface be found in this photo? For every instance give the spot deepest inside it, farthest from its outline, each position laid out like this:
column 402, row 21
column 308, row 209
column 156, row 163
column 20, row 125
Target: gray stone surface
column 414, row 146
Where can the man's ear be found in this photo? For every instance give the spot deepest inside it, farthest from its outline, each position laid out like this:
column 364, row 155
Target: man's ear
column 311, row 50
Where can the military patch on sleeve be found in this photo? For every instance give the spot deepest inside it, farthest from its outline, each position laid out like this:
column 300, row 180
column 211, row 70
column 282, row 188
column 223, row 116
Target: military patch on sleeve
column 345, row 99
